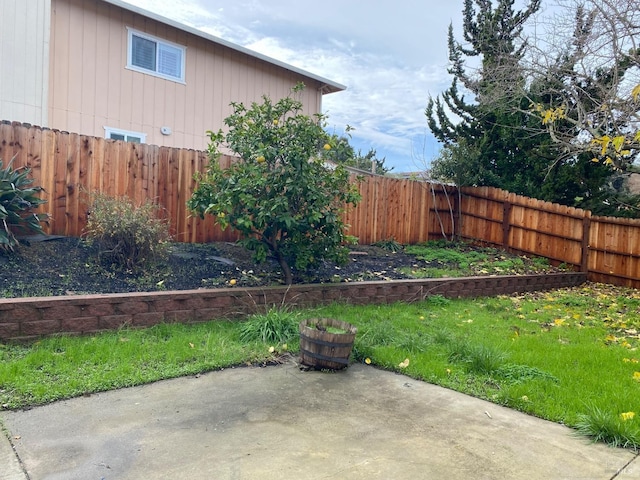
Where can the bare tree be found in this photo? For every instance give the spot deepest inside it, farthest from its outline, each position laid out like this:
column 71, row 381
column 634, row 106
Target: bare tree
column 584, row 79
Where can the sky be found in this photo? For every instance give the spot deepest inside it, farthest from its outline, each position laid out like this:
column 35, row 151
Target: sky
column 390, row 55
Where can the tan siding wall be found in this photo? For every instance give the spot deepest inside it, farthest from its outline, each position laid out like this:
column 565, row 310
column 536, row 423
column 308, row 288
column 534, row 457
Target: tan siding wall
column 91, row 88
column 24, row 56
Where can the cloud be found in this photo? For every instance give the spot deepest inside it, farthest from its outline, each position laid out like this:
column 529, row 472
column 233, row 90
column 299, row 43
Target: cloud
column 384, row 101
column 391, row 57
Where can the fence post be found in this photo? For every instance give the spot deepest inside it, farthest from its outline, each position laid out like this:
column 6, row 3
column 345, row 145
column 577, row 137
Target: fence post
column 457, row 205
column 584, row 261
column 506, row 223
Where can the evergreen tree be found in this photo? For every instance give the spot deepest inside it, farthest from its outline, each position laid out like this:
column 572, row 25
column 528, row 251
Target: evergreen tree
column 501, row 138
column 488, row 127
column 344, row 154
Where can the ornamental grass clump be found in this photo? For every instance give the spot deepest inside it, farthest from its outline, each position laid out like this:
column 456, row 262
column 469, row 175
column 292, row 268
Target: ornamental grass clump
column 127, row 236
column 281, row 195
column 617, row 430
column 18, row 200
column 275, row 326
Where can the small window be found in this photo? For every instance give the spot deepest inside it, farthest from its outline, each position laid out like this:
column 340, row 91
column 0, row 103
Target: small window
column 148, row 54
column 124, row 135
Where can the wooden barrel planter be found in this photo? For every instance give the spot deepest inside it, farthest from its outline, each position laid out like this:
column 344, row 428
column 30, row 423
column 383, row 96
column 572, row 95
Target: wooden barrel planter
column 326, row 343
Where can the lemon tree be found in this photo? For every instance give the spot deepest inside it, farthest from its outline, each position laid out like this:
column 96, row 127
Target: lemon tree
column 282, row 194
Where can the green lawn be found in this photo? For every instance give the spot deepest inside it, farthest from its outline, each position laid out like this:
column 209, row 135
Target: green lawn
column 570, row 356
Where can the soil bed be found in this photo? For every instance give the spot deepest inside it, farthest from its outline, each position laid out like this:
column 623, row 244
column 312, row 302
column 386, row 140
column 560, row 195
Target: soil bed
column 67, row 266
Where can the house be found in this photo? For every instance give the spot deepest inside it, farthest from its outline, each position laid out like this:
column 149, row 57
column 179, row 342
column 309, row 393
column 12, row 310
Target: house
column 108, row 69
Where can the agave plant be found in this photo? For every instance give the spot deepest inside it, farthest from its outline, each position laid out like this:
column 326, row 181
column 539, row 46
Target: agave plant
column 18, row 199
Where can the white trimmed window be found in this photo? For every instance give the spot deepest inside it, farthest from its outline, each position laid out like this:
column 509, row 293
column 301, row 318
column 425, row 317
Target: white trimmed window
column 125, row 135
column 154, row 56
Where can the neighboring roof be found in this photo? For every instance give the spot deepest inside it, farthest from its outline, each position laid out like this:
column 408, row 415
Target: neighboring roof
column 328, row 86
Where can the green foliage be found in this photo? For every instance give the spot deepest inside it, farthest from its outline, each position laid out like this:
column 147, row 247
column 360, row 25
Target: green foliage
column 559, row 355
column 275, row 326
column 370, row 162
column 457, row 259
column 495, row 142
column 18, row 199
column 522, row 373
column 280, row 195
column 492, row 32
column 496, row 139
column 390, row 244
column 129, row 237
column 451, row 254
column 605, row 426
column 62, row 367
column 477, row 358
column 515, row 351
column 343, row 153
column 437, row 300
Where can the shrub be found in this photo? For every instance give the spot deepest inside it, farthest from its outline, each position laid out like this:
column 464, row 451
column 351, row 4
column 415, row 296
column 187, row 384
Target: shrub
column 280, row 195
column 127, row 236
column 18, row 199
column 276, row 325
column 389, row 244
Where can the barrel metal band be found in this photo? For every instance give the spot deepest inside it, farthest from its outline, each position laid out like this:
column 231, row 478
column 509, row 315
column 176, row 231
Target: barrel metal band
column 325, row 343
column 318, row 356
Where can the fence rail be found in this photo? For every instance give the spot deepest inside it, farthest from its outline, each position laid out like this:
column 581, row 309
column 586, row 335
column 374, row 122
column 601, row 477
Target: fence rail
column 69, row 166
column 607, row 248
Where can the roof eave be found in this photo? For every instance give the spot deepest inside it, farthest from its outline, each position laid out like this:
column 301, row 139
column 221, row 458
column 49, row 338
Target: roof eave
column 327, row 86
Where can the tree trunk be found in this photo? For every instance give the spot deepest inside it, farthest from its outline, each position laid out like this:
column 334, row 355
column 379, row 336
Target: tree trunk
column 286, row 269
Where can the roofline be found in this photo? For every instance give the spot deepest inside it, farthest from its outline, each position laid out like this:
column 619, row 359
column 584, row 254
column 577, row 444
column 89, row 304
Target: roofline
column 327, row 86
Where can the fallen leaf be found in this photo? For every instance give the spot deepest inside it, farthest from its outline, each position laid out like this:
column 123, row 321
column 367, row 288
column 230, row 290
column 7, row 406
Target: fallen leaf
column 627, row 416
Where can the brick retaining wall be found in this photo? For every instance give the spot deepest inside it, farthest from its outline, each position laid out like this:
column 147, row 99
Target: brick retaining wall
column 26, row 318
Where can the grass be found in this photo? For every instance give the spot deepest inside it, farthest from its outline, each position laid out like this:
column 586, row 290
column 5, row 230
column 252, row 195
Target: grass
column 570, row 356
column 278, row 325
column 63, row 367
column 459, row 259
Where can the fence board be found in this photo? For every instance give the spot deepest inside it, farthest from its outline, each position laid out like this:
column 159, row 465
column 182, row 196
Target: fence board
column 72, row 180
column 59, row 210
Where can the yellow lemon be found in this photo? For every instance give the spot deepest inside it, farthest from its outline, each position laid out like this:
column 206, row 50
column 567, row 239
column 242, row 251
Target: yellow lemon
column 275, row 122
column 232, row 282
column 327, row 146
column 221, row 215
column 260, row 159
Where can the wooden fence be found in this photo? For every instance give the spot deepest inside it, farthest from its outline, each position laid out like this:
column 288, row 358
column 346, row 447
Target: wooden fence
column 68, row 165
column 607, row 248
